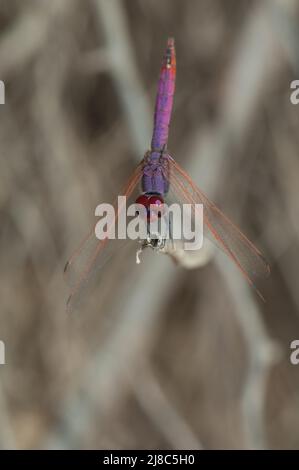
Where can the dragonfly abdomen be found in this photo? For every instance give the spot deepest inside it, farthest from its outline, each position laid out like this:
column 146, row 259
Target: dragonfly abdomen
column 164, row 98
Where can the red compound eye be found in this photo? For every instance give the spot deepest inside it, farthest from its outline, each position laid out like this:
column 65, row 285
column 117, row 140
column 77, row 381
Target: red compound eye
column 143, row 200
column 151, row 200
column 155, row 200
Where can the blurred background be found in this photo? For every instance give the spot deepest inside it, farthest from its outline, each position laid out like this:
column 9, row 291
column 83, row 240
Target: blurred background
column 158, row 356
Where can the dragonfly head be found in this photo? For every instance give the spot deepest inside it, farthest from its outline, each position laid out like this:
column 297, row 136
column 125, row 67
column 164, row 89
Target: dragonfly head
column 155, row 209
column 152, row 203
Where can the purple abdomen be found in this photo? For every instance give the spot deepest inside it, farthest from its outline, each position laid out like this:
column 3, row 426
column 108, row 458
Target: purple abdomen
column 155, row 177
column 164, row 98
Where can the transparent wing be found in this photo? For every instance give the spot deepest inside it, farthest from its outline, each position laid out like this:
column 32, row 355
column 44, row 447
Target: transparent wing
column 174, row 245
column 224, row 233
column 93, row 253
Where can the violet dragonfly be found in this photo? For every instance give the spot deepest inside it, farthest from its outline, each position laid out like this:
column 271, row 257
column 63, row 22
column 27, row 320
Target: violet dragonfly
column 158, row 175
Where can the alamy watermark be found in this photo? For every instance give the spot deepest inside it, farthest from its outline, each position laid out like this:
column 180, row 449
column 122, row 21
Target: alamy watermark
column 294, row 97
column 2, row 353
column 156, row 222
column 2, row 92
column 294, row 357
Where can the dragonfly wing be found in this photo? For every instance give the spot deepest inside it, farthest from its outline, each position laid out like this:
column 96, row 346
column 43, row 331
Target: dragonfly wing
column 222, row 231
column 93, row 253
column 174, row 245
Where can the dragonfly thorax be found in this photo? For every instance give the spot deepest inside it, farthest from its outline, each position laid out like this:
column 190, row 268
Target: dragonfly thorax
column 155, row 178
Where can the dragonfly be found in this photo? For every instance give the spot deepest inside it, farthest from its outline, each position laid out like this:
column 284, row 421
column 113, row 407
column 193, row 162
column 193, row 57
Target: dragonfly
column 158, row 175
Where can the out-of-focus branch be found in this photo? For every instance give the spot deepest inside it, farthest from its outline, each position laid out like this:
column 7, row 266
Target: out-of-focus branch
column 164, row 415
column 124, row 351
column 27, row 35
column 123, row 348
column 262, row 353
column 285, row 26
column 254, row 63
column 285, row 215
column 124, row 72
column 7, row 437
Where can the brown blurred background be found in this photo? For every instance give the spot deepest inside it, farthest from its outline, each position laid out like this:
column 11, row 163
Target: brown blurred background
column 159, row 357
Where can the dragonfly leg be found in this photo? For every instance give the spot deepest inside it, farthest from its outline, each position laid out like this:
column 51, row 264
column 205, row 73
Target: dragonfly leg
column 138, row 253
